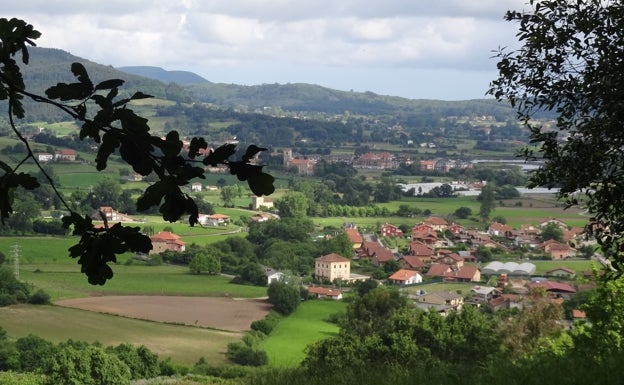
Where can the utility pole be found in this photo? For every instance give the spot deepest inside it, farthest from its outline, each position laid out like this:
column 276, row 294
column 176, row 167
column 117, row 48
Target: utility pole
column 16, row 260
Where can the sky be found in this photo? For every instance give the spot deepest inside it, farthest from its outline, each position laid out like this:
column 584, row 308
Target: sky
column 418, row 49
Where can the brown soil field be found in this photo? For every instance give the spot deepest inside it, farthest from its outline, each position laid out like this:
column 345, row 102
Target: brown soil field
column 209, row 312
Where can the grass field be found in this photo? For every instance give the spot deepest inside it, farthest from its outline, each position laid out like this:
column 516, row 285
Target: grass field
column 66, row 281
column 184, row 344
column 286, row 344
column 578, row 265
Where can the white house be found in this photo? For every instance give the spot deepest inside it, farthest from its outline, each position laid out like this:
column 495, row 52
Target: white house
column 272, row 275
column 405, row 277
column 44, row 157
column 196, row 187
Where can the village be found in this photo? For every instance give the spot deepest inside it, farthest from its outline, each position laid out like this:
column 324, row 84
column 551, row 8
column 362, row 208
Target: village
column 447, row 253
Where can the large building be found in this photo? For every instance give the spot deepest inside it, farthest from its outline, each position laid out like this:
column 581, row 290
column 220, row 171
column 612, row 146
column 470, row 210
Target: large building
column 303, row 166
column 332, row 266
column 165, row 240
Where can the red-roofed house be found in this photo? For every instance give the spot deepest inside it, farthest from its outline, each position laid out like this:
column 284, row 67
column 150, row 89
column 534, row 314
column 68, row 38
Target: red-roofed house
column 529, row 229
column 378, row 161
column 422, row 228
column 324, row 292
column 388, row 230
column 375, row 251
column 412, row 262
column 553, row 287
column 355, row 237
column 573, row 234
column 463, row 274
column 451, row 259
column 109, row 213
column 165, row 240
column 505, row 301
column 214, row 219
column 578, row 315
column 438, row 270
column 421, row 250
column 562, row 272
column 557, row 250
column 500, row 230
column 437, row 223
column 405, row 277
column 332, row 266
column 65, row 154
column 303, row 166
column 427, row 237
column 456, row 229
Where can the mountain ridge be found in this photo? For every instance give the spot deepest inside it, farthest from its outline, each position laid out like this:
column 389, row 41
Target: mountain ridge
column 49, row 66
column 182, row 78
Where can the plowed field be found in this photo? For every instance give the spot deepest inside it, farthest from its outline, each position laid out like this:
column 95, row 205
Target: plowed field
column 217, row 313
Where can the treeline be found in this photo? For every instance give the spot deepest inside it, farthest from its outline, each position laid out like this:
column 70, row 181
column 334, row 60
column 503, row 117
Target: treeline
column 14, row 291
column 312, row 98
column 257, row 128
column 74, row 362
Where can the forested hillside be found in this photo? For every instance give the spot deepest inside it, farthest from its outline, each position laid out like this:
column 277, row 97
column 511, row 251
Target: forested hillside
column 157, row 73
column 49, row 66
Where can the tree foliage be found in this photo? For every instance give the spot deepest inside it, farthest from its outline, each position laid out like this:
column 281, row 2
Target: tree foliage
column 205, row 262
column 552, row 231
column 486, row 197
column 381, row 329
column 108, row 121
column 570, row 62
column 284, row 297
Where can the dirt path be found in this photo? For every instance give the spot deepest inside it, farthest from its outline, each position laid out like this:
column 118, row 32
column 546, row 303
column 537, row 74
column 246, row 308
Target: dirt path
column 218, row 313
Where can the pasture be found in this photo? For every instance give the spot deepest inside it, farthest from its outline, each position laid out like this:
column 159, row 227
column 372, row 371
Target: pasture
column 286, row 345
column 66, row 281
column 578, row 265
column 184, row 344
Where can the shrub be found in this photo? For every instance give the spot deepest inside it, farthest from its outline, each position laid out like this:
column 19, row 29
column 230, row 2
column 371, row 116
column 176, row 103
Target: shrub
column 7, row 299
column 12, row 378
column 283, row 297
column 246, row 355
column 222, row 371
column 39, row 297
column 263, row 325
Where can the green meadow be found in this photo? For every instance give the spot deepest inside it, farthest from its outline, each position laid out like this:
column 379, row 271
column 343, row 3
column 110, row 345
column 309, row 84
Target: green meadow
column 184, row 344
column 287, row 343
column 66, row 281
column 578, row 265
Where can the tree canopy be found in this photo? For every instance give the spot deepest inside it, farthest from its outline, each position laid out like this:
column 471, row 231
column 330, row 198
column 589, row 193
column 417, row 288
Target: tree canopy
column 107, row 120
column 570, row 62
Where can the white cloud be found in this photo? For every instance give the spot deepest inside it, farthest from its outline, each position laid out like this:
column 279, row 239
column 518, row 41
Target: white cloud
column 255, row 36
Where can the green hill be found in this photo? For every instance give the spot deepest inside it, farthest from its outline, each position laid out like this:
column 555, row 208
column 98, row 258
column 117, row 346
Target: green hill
column 160, row 74
column 49, row 66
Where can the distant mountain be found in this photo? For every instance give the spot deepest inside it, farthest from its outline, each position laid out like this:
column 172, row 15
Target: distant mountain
column 49, row 66
column 314, row 98
column 179, row 77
